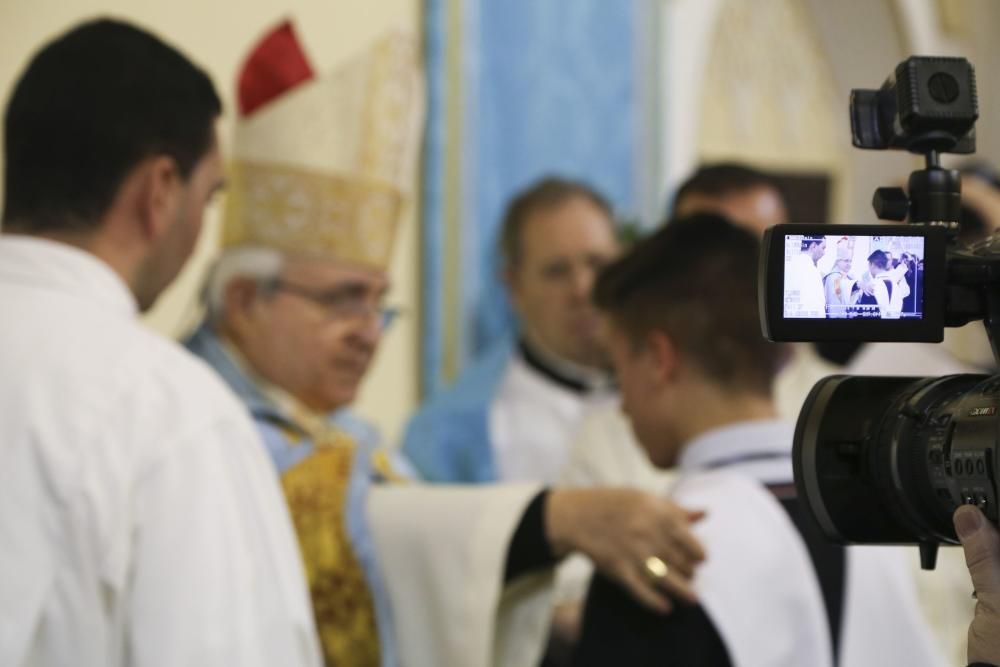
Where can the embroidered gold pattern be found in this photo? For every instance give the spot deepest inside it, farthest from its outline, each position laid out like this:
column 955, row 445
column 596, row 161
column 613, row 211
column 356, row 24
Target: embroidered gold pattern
column 316, row 491
column 302, row 211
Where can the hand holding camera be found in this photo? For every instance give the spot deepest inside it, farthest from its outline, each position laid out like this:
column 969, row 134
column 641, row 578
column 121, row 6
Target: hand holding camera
column 981, row 542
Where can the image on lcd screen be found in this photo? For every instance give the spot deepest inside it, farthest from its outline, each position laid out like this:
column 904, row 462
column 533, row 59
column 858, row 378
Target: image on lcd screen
column 844, row 276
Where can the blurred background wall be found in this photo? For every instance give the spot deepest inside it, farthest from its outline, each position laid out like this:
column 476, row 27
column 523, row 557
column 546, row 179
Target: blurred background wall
column 654, row 87
column 629, row 95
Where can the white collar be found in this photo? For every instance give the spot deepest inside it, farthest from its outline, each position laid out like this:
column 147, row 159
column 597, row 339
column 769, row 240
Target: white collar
column 739, row 442
column 38, row 262
column 590, row 379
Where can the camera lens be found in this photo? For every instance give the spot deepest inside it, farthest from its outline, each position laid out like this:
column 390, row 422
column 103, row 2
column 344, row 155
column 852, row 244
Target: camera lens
column 882, row 460
column 943, row 87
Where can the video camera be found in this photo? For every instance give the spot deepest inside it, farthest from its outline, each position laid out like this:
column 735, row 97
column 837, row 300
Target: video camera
column 889, row 459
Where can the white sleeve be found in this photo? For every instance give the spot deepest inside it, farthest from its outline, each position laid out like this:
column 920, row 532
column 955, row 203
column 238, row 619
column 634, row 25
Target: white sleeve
column 443, row 551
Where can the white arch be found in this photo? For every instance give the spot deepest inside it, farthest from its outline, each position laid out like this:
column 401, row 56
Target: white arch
column 686, row 28
column 863, row 40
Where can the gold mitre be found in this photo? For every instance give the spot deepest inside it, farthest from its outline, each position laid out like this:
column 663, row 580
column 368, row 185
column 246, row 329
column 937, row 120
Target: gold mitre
column 323, row 165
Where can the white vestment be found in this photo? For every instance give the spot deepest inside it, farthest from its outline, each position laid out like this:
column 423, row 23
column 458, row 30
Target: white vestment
column 758, row 585
column 141, row 522
column 891, row 304
column 443, row 551
column 505, row 419
column 532, row 420
column 604, row 452
column 803, row 275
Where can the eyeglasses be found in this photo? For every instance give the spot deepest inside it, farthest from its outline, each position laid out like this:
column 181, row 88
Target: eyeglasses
column 341, row 303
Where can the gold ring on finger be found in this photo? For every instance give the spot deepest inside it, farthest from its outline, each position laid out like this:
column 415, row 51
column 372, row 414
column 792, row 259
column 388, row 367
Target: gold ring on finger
column 655, row 568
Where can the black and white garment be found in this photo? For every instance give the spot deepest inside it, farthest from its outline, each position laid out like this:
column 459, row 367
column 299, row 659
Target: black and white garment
column 762, row 602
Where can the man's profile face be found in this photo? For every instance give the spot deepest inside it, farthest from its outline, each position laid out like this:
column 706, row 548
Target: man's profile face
column 562, row 249
column 319, row 347
column 172, row 250
column 754, row 208
column 817, row 250
column 640, row 389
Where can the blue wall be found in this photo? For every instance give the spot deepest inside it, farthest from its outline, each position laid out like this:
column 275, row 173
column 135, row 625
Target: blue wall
column 549, row 88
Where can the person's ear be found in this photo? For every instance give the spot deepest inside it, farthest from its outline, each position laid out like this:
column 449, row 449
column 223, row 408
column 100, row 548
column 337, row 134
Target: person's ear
column 662, row 357
column 160, row 194
column 239, row 299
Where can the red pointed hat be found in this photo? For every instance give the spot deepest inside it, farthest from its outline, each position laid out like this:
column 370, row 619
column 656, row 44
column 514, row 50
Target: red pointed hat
column 277, row 65
column 324, row 163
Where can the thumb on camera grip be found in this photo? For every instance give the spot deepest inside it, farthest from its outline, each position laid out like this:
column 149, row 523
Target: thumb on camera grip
column 981, row 543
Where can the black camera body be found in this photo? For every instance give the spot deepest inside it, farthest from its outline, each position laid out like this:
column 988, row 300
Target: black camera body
column 887, row 460
column 927, row 104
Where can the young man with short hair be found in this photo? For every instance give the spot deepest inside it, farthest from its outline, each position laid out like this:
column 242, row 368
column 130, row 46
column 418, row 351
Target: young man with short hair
column 696, row 376
column 603, row 451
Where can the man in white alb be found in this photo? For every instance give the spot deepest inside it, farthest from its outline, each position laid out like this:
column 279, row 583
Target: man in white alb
column 141, row 523
column 804, row 276
column 510, row 416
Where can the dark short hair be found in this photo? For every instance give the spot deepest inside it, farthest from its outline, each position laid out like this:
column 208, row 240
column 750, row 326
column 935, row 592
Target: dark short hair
column 695, row 280
column 722, row 180
column 548, row 193
column 90, row 106
column 879, row 259
column 808, row 241
column 972, row 226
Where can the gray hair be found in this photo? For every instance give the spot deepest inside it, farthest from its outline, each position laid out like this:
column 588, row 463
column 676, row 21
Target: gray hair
column 254, row 262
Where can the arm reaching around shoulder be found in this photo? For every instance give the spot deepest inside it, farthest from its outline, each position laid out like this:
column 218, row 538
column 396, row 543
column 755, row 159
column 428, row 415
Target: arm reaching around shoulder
column 620, row 530
column 981, row 543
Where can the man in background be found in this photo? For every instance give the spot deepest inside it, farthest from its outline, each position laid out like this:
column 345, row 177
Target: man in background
column 140, row 519
column 744, row 194
column 803, row 275
column 511, row 415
